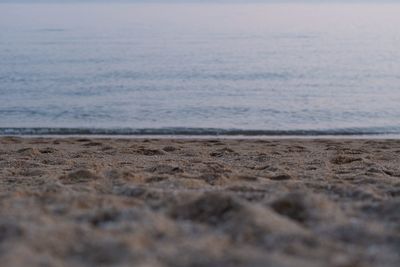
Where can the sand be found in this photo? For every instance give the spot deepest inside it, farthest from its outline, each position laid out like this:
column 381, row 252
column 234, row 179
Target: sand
column 148, row 202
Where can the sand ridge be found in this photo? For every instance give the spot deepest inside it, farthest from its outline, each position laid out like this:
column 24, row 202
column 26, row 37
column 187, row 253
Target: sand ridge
column 217, row 202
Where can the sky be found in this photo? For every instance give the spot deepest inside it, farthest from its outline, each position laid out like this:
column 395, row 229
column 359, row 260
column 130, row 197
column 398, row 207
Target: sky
column 200, row 1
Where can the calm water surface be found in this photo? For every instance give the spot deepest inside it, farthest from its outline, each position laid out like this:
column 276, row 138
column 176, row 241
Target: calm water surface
column 274, row 68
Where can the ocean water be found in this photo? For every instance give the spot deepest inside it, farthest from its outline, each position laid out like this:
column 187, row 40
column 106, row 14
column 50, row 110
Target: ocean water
column 200, row 68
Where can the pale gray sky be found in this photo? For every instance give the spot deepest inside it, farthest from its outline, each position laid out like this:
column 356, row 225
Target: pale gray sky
column 201, row 1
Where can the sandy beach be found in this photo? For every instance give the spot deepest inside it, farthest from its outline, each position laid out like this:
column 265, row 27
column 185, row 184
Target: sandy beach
column 183, row 202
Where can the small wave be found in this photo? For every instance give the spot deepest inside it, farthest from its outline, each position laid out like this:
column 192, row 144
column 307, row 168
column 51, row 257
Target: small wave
column 52, row 30
column 197, row 132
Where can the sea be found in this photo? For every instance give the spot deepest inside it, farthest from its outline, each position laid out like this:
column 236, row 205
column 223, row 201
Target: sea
column 200, row 69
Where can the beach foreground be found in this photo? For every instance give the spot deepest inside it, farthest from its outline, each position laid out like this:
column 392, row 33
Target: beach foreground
column 148, row 202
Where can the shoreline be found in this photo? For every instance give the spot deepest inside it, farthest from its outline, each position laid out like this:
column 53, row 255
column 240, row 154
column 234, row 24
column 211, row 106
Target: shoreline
column 205, row 137
column 176, row 132
column 82, row 201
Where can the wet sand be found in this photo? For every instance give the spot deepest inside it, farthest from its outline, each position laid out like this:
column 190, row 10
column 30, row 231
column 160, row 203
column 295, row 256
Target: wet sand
column 137, row 202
